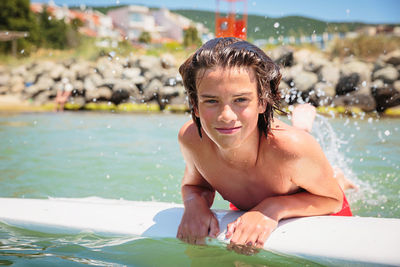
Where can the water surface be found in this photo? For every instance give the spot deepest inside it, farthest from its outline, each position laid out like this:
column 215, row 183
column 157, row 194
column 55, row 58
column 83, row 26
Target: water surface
column 136, row 157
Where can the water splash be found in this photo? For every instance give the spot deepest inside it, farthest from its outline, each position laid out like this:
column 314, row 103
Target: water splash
column 331, row 144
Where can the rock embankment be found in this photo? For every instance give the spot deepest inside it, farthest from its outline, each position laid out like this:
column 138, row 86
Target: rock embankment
column 311, row 77
column 137, row 79
column 307, row 77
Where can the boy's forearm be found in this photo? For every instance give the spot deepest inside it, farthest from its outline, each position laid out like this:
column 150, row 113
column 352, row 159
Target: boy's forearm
column 192, row 193
column 298, row 205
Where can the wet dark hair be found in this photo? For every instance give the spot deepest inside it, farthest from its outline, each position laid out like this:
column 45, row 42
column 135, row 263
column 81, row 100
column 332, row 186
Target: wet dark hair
column 233, row 52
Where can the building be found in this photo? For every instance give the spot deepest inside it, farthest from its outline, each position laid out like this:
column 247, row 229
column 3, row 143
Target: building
column 163, row 25
column 95, row 24
column 173, row 25
column 133, row 20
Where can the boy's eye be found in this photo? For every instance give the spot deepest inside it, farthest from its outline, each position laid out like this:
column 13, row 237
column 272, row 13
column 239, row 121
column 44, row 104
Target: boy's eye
column 210, row 101
column 241, row 100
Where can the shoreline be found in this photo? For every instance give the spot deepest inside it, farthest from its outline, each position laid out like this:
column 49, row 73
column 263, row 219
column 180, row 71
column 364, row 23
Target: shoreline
column 12, row 104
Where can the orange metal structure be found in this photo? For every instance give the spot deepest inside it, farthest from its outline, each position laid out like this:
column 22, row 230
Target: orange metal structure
column 230, row 26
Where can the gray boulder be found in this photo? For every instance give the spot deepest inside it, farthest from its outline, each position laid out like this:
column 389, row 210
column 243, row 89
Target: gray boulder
column 347, row 84
column 283, row 56
column 56, row 72
column 131, row 73
column 149, row 63
column 329, row 74
column 45, row 83
column 318, row 97
column 396, row 85
column 388, row 74
column 364, row 101
column 4, row 79
column 102, row 93
column 386, row 96
column 393, row 58
column 305, row 80
column 152, row 89
column 168, row 61
column 362, row 69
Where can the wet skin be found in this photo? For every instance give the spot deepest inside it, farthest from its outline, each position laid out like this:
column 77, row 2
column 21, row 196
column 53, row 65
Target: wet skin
column 282, row 176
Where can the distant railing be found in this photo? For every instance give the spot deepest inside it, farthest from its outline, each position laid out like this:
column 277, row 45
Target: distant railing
column 318, row 39
column 12, row 36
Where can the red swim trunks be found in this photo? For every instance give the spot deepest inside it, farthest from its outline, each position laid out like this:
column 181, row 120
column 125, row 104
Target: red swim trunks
column 345, row 211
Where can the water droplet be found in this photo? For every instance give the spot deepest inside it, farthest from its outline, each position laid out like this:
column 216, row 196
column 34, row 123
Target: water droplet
column 364, row 83
column 22, row 51
column 361, row 160
column 107, row 176
column 276, row 25
column 387, row 132
column 49, row 18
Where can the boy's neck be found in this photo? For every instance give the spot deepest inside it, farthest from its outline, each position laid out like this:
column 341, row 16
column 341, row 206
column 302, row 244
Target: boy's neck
column 245, row 155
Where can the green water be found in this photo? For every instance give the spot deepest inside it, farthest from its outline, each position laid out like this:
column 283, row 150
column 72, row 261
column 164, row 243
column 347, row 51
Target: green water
column 136, row 157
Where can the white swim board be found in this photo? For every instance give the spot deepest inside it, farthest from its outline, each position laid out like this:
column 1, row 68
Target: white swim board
column 359, row 239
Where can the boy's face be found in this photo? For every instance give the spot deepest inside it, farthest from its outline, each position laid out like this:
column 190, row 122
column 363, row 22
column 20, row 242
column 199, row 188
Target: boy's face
column 228, row 105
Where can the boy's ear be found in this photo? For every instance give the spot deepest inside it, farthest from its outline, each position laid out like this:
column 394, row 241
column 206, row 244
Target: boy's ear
column 196, row 111
column 262, row 106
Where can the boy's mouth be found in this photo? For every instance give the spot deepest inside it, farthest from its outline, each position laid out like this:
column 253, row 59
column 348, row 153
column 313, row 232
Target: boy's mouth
column 228, row 130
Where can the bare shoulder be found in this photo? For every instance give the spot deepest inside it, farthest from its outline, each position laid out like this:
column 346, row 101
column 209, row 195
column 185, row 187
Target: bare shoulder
column 304, row 159
column 188, row 134
column 293, row 141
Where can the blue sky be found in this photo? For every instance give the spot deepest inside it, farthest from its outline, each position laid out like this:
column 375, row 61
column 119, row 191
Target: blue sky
column 370, row 11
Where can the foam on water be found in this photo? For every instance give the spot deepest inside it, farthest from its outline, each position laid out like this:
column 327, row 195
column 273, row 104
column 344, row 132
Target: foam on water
column 332, row 144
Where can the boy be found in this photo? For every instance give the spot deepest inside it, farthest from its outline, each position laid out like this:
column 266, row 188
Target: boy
column 234, row 146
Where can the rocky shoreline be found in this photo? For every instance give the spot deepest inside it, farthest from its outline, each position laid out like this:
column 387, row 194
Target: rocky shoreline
column 140, row 83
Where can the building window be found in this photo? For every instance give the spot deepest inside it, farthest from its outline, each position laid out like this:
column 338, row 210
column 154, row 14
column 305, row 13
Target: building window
column 134, row 34
column 137, row 17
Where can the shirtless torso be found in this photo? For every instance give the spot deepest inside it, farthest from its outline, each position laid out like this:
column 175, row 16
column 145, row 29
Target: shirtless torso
column 282, row 176
column 248, row 182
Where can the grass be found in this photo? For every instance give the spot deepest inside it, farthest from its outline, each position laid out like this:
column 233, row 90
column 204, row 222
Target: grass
column 88, row 50
column 368, row 48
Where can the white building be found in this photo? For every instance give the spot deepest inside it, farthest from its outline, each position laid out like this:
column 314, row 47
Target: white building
column 134, row 20
column 173, row 25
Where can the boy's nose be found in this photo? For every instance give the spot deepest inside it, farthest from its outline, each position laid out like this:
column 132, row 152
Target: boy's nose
column 227, row 114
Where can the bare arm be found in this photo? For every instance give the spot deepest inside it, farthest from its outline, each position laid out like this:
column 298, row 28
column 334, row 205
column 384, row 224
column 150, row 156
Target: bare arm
column 309, row 170
column 198, row 221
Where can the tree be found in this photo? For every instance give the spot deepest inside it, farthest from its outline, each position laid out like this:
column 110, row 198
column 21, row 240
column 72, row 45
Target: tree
column 191, row 37
column 16, row 15
column 145, row 37
column 53, row 31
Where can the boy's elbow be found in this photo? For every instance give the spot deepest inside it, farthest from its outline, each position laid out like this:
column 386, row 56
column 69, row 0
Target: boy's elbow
column 338, row 203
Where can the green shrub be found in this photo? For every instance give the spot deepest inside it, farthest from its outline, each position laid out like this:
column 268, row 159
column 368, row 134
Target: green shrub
column 364, row 47
column 145, row 37
column 191, row 37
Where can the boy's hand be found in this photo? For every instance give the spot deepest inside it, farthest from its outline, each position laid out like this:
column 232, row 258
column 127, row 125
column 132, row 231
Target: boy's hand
column 252, row 229
column 198, row 222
